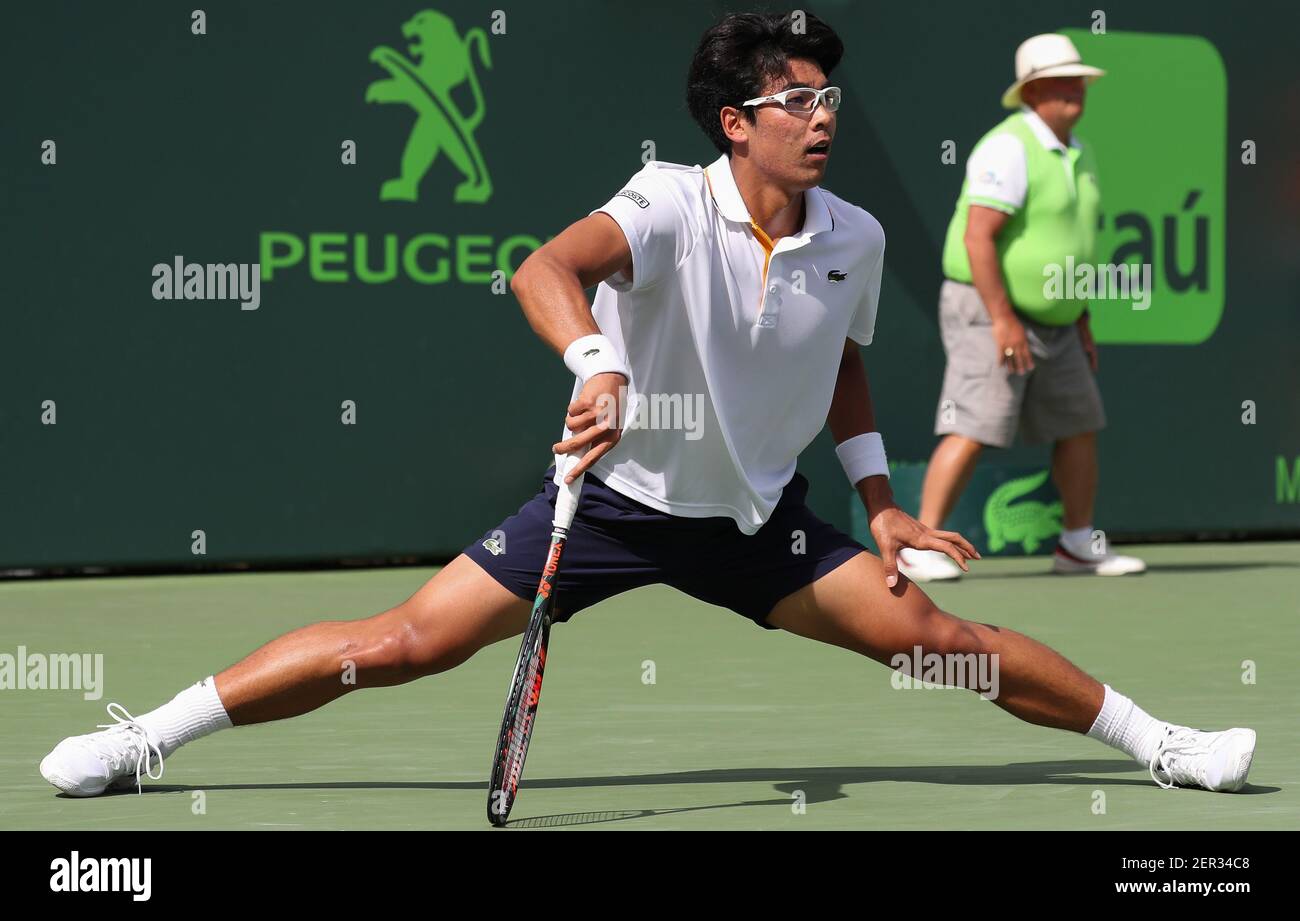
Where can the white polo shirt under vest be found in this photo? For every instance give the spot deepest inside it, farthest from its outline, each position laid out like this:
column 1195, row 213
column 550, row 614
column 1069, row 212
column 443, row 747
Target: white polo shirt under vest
column 997, row 170
column 735, row 340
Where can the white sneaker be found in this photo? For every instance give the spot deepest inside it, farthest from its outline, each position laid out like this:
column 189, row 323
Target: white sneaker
column 927, row 565
column 1097, row 564
column 1217, row 761
column 88, row 765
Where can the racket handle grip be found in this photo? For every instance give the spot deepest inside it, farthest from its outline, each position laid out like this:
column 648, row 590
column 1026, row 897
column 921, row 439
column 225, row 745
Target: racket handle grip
column 566, row 502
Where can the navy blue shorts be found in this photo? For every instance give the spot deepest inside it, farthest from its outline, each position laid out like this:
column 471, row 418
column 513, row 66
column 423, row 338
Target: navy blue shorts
column 617, row 544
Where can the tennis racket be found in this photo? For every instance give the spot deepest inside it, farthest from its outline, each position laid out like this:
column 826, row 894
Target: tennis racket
column 526, row 685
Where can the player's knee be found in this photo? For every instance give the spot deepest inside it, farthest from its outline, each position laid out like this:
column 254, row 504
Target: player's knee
column 433, row 656
column 384, row 650
column 367, row 654
column 409, row 647
column 954, row 636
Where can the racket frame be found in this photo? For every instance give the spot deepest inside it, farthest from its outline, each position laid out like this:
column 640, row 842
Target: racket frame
column 524, row 693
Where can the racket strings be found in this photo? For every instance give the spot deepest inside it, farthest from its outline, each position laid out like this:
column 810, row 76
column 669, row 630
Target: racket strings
column 526, row 708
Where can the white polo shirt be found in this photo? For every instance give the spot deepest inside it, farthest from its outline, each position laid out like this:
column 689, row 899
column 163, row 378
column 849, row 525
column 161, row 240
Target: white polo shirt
column 997, row 169
column 736, row 348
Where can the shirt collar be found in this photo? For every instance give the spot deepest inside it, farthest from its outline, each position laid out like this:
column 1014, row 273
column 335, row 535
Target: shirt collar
column 722, row 186
column 1045, row 135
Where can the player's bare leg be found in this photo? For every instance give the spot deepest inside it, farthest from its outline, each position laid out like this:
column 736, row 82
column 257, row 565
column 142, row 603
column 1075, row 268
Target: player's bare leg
column 851, row 607
column 457, row 612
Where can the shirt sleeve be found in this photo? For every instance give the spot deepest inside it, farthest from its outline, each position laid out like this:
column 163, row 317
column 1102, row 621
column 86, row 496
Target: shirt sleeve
column 652, row 216
column 863, row 326
column 996, row 174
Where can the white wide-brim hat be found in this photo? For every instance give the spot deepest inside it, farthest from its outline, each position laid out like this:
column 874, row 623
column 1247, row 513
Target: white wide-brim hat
column 1048, row 55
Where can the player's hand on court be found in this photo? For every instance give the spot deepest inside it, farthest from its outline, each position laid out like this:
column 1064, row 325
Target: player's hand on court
column 593, row 418
column 894, row 529
column 1013, row 345
column 1089, row 344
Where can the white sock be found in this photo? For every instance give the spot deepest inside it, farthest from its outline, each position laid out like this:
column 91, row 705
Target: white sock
column 1078, row 540
column 1124, row 725
column 192, row 714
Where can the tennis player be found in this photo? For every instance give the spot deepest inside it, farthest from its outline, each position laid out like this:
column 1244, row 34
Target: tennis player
column 748, row 290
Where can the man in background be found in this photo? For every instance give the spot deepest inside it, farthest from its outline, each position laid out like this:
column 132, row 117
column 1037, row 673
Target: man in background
column 1019, row 359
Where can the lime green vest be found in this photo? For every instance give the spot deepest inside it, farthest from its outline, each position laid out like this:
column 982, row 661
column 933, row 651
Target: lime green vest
column 1058, row 219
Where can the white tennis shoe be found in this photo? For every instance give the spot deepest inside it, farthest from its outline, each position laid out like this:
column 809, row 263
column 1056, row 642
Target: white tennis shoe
column 1085, row 561
column 90, row 764
column 927, row 565
column 1217, row 761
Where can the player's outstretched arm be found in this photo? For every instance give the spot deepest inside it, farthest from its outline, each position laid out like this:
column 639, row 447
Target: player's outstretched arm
column 851, row 414
column 551, row 287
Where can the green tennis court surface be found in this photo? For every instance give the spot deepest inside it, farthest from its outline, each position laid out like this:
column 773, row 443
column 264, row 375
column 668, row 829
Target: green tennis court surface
column 738, row 726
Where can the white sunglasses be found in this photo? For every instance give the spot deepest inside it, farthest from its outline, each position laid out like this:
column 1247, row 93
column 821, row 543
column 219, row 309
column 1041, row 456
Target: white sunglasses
column 802, row 99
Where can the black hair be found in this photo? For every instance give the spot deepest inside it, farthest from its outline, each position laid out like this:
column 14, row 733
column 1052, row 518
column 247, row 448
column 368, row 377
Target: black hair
column 742, row 53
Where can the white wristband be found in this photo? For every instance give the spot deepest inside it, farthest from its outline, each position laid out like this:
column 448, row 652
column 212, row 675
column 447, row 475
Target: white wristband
column 863, row 456
column 588, row 356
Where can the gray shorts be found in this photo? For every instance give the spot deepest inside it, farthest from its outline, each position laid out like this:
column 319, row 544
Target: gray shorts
column 984, row 401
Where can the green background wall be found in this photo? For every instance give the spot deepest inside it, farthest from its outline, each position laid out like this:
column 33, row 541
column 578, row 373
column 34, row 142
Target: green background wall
column 176, row 415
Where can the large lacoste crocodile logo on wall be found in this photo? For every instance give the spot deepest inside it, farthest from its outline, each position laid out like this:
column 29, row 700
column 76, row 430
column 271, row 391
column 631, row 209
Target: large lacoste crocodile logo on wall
column 442, row 61
column 1027, row 523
